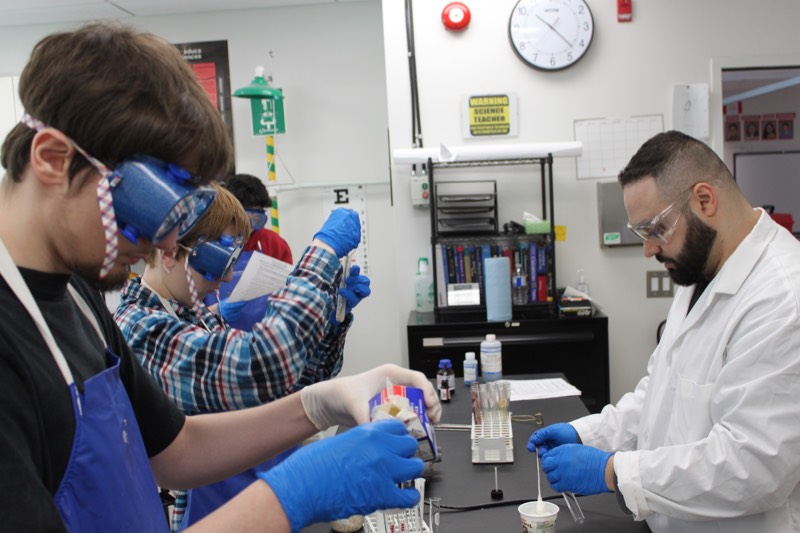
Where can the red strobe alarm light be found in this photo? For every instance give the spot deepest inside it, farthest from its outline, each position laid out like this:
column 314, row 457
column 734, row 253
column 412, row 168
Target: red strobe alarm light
column 455, row 16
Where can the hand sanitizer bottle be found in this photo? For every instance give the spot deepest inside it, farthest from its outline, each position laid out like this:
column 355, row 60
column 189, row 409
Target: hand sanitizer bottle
column 582, row 286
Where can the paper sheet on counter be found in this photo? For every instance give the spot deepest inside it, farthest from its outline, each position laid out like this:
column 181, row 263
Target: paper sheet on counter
column 262, row 275
column 539, row 389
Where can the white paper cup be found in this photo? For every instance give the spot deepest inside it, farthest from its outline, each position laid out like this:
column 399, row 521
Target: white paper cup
column 535, row 522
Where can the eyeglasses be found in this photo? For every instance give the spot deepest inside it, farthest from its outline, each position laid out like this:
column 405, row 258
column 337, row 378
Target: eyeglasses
column 258, row 217
column 662, row 226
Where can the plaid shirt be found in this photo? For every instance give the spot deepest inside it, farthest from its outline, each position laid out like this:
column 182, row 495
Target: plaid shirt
column 206, row 367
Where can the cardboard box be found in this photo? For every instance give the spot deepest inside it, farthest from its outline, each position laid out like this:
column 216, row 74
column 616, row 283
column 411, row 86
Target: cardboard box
column 408, row 405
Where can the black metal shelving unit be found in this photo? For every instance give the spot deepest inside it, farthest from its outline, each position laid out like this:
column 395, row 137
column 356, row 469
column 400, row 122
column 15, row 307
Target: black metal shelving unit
column 531, row 310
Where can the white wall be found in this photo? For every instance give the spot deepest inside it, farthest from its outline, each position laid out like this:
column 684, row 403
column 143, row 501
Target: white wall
column 630, row 69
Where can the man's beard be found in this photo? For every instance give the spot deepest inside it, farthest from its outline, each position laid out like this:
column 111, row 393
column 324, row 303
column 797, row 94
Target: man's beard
column 691, row 263
column 114, row 280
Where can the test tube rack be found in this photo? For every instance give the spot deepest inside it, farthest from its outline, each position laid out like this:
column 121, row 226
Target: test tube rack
column 492, row 439
column 400, row 520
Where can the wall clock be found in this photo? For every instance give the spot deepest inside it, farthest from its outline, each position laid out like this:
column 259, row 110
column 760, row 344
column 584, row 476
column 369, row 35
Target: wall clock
column 551, row 34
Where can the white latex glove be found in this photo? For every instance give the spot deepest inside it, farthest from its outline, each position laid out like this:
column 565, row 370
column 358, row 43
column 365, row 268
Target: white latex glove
column 345, row 401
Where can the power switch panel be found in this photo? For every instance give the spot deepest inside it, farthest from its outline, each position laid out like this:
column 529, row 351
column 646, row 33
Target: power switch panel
column 420, row 191
column 659, row 284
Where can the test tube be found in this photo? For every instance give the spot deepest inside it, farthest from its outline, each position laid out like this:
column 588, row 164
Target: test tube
column 505, row 396
column 476, row 403
column 341, row 302
column 573, row 506
column 433, row 514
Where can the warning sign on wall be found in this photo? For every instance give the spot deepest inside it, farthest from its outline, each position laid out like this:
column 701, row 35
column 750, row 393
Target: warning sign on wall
column 490, row 114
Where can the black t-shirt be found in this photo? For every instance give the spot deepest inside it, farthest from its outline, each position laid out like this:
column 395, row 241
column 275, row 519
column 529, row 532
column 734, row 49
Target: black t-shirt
column 37, row 423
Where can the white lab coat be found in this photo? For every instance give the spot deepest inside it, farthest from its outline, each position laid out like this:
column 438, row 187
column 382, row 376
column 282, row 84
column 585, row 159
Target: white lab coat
column 710, row 438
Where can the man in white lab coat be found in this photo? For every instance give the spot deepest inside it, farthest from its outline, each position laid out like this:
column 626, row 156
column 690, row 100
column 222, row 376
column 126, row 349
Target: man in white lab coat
column 710, row 438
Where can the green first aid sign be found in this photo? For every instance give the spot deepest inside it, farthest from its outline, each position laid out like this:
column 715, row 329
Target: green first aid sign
column 267, row 115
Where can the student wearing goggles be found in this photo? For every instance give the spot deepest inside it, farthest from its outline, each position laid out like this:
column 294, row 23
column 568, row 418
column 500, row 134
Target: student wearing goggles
column 207, row 366
column 82, row 420
column 142, row 198
column 253, row 195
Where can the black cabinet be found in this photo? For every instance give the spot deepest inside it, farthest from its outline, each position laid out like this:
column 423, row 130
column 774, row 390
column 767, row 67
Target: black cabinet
column 577, row 347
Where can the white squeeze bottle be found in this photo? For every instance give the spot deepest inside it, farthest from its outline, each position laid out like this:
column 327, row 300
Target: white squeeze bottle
column 470, row 369
column 491, row 358
column 423, row 286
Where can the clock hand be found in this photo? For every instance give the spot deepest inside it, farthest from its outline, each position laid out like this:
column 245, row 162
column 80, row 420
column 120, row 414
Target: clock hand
column 555, row 30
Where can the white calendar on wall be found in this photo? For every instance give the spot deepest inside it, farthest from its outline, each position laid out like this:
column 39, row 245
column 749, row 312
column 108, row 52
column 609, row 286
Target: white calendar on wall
column 609, row 143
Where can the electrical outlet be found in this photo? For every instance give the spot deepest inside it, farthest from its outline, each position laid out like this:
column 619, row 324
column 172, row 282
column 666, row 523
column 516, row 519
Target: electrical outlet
column 659, row 284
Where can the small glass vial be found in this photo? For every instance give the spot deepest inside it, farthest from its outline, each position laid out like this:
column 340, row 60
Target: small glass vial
column 445, row 380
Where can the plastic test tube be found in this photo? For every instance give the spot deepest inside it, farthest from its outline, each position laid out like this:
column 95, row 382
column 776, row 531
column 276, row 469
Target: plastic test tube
column 341, row 302
column 433, row 514
column 573, row 506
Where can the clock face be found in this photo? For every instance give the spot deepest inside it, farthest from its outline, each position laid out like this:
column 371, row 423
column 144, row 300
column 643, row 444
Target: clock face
column 551, row 34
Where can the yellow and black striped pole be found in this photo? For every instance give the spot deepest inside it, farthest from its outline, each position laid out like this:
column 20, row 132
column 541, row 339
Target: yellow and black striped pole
column 272, row 179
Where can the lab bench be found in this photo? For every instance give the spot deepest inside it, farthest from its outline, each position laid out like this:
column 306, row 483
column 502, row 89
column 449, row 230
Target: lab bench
column 576, row 347
column 460, row 483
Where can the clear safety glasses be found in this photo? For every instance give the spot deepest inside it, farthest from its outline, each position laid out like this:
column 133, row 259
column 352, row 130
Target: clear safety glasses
column 214, row 259
column 258, row 218
column 662, row 226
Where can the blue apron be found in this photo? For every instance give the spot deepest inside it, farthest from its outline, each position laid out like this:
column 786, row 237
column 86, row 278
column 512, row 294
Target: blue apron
column 108, row 484
column 202, row 501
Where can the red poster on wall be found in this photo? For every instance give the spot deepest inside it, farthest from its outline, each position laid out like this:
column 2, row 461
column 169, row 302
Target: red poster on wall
column 209, row 61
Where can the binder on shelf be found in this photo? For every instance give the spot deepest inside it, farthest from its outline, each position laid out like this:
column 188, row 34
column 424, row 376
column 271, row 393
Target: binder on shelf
column 460, row 274
column 451, row 264
column 441, row 276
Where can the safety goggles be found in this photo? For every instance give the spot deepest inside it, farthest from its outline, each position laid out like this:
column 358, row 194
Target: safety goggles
column 258, row 218
column 662, row 226
column 153, row 198
column 142, row 197
column 214, row 259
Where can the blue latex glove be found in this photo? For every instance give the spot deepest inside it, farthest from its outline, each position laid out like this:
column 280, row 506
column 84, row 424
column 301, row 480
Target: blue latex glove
column 552, row 436
column 355, row 473
column 230, row 311
column 356, row 288
column 576, row 468
column 342, row 231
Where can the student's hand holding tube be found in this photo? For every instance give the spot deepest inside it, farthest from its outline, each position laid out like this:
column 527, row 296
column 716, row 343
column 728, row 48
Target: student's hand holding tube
column 355, row 473
column 345, row 401
column 341, row 232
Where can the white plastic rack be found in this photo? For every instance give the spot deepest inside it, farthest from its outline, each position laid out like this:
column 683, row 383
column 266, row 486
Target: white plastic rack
column 400, row 520
column 492, row 439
